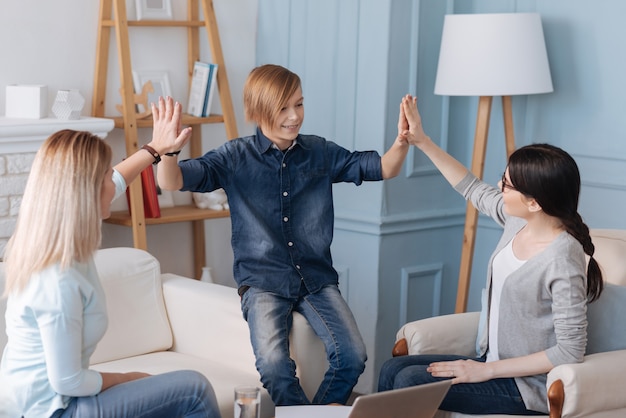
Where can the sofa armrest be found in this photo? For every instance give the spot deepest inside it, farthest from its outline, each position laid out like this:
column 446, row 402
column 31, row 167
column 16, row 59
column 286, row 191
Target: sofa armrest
column 594, row 385
column 207, row 322
column 446, row 334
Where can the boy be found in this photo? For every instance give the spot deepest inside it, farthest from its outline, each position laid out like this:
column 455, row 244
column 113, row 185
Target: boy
column 279, row 187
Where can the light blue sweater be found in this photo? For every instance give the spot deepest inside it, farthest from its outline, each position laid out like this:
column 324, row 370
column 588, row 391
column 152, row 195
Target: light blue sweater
column 544, row 303
column 53, row 328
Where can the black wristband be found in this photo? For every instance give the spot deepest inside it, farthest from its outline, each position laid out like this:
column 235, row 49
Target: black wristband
column 152, row 151
column 171, row 154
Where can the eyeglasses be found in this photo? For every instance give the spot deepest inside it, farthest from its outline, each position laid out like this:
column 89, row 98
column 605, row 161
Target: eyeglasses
column 505, row 185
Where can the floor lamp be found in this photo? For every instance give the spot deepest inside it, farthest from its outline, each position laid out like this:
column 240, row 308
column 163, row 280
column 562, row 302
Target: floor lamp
column 487, row 55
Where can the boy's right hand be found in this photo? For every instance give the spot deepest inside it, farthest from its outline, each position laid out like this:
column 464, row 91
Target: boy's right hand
column 403, row 124
column 415, row 134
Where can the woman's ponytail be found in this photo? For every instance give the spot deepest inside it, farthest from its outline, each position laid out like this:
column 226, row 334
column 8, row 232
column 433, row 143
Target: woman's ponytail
column 577, row 228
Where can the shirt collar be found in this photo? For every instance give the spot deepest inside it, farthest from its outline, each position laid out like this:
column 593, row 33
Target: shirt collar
column 264, row 144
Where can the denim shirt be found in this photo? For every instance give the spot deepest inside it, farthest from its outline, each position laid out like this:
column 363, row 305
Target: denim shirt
column 281, row 206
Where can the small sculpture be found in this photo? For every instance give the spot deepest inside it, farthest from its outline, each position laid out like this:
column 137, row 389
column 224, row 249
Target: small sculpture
column 215, row 200
column 140, row 99
column 68, row 104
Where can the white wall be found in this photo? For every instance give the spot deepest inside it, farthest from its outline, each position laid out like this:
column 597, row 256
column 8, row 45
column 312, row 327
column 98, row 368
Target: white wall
column 53, row 43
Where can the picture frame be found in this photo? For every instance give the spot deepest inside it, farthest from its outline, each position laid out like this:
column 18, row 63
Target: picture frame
column 154, row 9
column 160, row 82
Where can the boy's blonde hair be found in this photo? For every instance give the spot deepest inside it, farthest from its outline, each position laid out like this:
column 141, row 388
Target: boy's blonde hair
column 60, row 215
column 266, row 91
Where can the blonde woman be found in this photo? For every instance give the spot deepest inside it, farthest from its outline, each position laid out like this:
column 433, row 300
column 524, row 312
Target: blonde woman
column 56, row 311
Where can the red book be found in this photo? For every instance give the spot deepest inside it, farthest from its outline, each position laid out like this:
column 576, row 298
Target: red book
column 151, row 207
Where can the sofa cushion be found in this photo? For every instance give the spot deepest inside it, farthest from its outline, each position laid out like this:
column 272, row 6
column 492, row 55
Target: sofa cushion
column 222, row 375
column 138, row 322
column 606, row 329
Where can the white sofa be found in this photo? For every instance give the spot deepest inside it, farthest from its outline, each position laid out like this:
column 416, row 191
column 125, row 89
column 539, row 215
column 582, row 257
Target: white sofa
column 164, row 322
column 592, row 389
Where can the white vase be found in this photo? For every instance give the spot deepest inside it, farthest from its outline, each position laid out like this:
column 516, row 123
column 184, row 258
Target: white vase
column 206, row 275
column 68, row 104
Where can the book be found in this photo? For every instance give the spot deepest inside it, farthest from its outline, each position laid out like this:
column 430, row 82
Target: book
column 198, row 88
column 211, row 87
column 150, row 198
column 151, row 208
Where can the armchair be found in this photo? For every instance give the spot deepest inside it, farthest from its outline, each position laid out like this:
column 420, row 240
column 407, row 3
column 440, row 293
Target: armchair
column 592, row 389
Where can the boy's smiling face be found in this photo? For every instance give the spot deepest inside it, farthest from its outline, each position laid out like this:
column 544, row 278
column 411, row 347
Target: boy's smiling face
column 287, row 122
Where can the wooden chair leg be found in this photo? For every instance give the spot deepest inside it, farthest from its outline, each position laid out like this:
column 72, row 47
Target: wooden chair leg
column 556, row 398
column 400, row 348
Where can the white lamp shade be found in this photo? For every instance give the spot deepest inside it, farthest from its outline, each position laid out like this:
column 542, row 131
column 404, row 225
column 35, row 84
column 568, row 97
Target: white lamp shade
column 499, row 54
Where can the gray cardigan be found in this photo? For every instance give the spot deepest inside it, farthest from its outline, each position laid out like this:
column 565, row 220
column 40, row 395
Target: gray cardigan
column 544, row 302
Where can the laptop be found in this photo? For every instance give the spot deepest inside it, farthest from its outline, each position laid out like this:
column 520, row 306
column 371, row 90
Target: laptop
column 414, row 402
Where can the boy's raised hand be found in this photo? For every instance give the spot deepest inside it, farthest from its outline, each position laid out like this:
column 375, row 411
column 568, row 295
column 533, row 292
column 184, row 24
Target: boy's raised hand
column 403, row 124
column 415, row 134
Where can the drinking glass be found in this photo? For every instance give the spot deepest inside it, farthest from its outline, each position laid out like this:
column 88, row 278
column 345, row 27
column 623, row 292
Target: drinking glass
column 247, row 402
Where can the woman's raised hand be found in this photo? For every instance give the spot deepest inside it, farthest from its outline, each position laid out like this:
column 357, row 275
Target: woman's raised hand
column 167, row 133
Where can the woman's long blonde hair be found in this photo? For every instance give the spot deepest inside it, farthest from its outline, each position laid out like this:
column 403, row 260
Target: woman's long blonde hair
column 60, row 215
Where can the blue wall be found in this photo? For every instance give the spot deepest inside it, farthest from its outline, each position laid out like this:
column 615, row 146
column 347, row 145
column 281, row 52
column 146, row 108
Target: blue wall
column 397, row 243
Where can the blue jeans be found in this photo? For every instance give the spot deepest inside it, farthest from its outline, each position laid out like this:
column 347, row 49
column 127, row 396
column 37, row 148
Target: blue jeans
column 182, row 393
column 270, row 318
column 497, row 396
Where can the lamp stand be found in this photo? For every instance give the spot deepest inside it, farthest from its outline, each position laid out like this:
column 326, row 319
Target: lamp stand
column 477, row 168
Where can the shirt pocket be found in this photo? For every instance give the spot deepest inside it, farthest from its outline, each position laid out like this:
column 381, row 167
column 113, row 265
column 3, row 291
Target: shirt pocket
column 313, row 173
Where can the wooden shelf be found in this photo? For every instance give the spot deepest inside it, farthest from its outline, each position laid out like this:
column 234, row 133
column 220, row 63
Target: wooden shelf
column 113, row 23
column 187, row 120
column 183, row 213
column 159, row 23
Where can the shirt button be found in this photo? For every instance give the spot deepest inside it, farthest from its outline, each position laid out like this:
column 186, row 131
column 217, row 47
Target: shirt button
column 284, row 165
column 285, row 193
column 290, row 244
column 298, row 266
column 285, row 219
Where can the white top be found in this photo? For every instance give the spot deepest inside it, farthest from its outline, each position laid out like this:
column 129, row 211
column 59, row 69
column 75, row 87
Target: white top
column 504, row 263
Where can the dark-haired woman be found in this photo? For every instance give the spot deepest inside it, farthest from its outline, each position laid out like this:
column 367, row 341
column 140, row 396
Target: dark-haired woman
column 538, row 285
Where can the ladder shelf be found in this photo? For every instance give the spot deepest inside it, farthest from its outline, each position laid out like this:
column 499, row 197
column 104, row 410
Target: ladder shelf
column 112, row 17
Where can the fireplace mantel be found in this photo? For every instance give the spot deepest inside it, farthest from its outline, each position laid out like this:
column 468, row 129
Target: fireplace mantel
column 27, row 135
